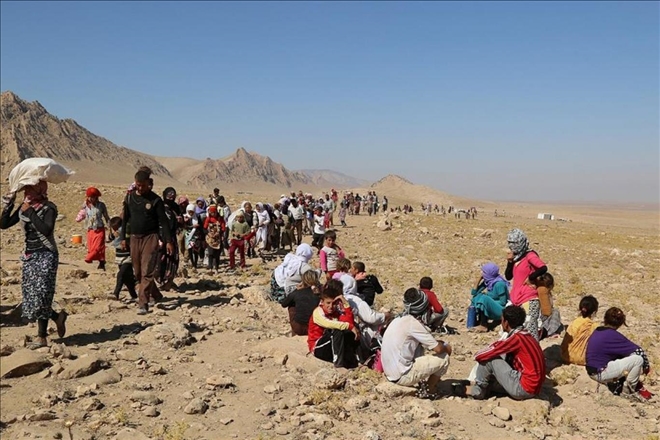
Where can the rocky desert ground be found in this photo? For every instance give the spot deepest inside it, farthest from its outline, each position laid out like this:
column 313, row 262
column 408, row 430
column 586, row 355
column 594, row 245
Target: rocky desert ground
column 215, row 360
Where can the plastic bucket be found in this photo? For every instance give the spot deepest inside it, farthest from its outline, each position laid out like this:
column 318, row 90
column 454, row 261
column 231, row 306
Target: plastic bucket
column 76, row 239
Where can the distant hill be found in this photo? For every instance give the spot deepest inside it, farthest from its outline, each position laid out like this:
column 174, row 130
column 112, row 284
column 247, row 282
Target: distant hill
column 400, row 190
column 329, row 178
column 240, row 167
column 28, row 130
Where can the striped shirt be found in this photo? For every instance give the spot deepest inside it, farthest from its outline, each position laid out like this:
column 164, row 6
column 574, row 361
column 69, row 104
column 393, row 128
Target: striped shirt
column 524, row 354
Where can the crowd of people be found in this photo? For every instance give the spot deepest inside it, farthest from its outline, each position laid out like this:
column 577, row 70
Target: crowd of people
column 333, row 306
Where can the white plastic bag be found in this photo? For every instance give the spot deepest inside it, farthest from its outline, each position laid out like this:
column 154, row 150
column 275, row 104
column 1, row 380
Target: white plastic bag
column 34, row 169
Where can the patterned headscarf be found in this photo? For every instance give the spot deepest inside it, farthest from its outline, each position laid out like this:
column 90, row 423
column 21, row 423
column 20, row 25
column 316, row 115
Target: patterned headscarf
column 491, row 274
column 36, row 195
column 418, row 306
column 517, row 243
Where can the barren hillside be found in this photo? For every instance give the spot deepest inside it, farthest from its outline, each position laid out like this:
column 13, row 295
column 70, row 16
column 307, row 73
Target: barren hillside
column 28, row 130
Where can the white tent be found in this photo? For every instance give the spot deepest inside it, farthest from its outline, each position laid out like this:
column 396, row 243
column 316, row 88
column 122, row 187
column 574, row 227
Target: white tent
column 545, row 216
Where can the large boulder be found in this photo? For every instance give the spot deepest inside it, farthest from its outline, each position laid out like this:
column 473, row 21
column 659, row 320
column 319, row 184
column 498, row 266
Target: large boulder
column 103, row 377
column 22, row 363
column 171, row 334
column 83, row 366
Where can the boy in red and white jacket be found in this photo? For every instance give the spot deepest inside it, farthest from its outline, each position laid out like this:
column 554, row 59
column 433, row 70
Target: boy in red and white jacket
column 332, row 334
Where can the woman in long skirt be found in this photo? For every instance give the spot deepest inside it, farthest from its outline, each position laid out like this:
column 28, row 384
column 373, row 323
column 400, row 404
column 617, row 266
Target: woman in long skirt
column 40, row 259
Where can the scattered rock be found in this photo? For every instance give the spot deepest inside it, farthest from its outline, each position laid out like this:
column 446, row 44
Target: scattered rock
column 272, row 389
column 282, row 430
column 226, row 421
column 61, row 351
column 130, row 434
column 23, row 362
column 90, row 404
column 42, row 415
column 538, row 433
column 371, row 435
column 496, row 422
column 488, row 233
column 6, row 350
column 220, row 381
column 83, row 366
column 357, row 402
column 145, row 397
column 188, row 395
column 103, row 377
column 327, row 379
column 77, row 274
column 403, row 418
column 422, row 409
column 171, row 334
column 384, row 224
column 389, row 389
column 150, row 411
column 501, row 413
column 196, row 406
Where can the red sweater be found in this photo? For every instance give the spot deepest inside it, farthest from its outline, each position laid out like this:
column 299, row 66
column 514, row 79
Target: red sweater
column 340, row 319
column 219, row 220
column 433, row 301
column 524, row 353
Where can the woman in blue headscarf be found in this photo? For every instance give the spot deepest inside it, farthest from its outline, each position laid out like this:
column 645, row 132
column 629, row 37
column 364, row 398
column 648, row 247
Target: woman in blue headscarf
column 489, row 296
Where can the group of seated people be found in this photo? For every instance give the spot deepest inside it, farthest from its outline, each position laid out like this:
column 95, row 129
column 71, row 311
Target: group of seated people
column 342, row 327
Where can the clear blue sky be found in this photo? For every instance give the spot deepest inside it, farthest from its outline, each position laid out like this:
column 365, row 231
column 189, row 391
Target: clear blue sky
column 500, row 101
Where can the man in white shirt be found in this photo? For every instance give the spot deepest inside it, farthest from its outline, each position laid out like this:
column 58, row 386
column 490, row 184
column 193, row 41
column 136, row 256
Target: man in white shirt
column 402, row 352
column 298, row 213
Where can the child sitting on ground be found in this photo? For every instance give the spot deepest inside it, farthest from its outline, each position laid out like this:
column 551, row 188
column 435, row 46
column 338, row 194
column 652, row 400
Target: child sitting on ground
column 302, row 302
column 330, row 254
column 367, row 285
column 551, row 325
column 125, row 275
column 437, row 315
column 332, row 335
column 574, row 344
column 614, row 360
column 343, row 275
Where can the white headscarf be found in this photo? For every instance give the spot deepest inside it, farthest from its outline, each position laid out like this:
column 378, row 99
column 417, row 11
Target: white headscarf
column 292, row 263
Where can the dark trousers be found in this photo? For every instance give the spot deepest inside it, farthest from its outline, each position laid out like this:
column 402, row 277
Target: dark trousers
column 144, row 253
column 297, row 328
column 214, row 258
column 317, row 240
column 338, row 347
column 125, row 277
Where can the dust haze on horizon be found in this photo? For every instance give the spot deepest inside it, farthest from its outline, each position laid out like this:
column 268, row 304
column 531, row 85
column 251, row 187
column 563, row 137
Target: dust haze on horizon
column 519, row 101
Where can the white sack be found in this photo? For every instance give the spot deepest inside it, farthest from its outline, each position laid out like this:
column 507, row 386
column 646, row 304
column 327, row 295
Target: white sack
column 32, row 170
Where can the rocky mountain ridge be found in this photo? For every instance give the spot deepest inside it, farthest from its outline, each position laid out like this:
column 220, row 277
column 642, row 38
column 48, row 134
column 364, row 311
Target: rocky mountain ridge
column 28, row 130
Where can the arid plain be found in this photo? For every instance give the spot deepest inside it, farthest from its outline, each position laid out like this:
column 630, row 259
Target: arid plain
column 217, row 345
